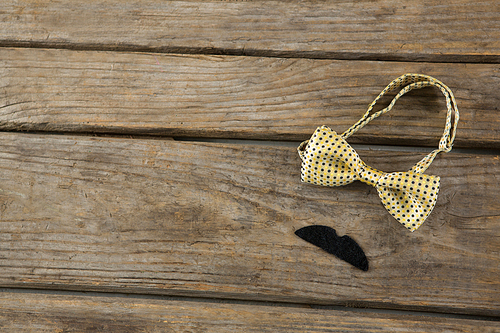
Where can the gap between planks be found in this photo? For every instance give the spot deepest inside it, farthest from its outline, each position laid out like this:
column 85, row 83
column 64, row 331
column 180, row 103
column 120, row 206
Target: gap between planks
column 267, row 53
column 256, row 303
column 415, row 149
column 275, row 143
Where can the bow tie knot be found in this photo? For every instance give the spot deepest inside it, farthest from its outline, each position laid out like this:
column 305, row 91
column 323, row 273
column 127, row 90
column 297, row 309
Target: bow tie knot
column 369, row 175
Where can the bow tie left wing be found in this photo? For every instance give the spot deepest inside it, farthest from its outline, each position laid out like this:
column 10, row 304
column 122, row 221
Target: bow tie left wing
column 408, row 196
column 322, row 163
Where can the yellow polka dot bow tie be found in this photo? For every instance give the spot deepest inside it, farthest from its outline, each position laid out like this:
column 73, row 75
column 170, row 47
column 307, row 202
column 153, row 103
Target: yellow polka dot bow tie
column 327, row 159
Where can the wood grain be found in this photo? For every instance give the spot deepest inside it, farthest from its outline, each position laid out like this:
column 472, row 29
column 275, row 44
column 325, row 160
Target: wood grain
column 458, row 30
column 39, row 312
column 218, row 220
column 237, row 97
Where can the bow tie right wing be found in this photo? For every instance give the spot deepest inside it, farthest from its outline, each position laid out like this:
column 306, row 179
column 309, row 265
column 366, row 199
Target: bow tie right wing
column 408, row 196
column 322, row 162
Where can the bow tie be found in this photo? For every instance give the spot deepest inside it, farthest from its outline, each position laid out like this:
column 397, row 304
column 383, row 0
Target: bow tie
column 331, row 161
column 327, row 159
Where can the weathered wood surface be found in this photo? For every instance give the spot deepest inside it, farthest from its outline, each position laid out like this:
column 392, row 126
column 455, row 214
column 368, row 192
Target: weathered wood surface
column 166, row 217
column 459, row 30
column 218, row 220
column 237, row 97
column 39, row 312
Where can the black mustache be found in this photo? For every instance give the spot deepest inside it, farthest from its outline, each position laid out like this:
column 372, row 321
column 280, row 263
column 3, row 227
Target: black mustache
column 344, row 247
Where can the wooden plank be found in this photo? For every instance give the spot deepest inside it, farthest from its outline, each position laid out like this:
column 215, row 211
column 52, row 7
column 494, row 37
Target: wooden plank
column 237, row 97
column 459, row 30
column 38, row 312
column 218, row 220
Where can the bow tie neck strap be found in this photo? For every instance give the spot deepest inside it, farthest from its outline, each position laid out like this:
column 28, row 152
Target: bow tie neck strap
column 410, row 82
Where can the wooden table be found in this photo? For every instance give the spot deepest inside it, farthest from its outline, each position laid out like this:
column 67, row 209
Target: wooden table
column 150, row 180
